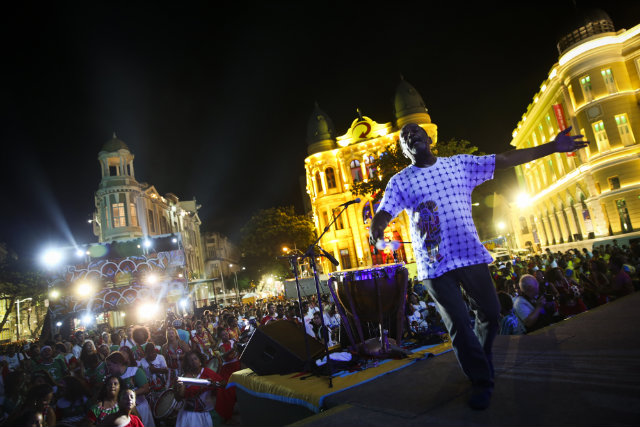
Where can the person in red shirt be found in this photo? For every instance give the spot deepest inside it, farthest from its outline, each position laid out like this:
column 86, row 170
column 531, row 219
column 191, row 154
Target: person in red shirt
column 124, row 417
column 271, row 314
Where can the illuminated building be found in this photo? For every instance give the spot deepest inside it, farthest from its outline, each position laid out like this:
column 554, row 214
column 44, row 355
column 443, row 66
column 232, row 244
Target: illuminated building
column 221, row 261
column 336, row 162
column 149, row 251
column 594, row 87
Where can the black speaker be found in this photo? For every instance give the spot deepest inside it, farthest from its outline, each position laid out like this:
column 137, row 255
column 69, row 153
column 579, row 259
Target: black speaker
column 279, row 348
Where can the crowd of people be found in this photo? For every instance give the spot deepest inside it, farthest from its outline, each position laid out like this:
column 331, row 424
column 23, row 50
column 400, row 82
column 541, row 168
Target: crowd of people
column 116, row 376
column 107, row 376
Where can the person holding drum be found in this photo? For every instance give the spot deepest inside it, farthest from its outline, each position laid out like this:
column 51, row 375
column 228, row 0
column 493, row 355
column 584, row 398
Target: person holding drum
column 199, row 399
column 135, row 379
column 436, row 193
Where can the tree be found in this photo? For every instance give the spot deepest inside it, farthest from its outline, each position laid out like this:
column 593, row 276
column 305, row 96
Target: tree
column 18, row 280
column 264, row 235
column 393, row 161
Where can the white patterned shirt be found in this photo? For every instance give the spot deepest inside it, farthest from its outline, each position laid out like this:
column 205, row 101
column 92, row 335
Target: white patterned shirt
column 438, row 201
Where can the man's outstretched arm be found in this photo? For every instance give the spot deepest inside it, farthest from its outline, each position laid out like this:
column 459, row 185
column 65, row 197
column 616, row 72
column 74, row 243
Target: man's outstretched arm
column 562, row 143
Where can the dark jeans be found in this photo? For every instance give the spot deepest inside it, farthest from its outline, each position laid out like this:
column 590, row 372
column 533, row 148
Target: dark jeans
column 473, row 349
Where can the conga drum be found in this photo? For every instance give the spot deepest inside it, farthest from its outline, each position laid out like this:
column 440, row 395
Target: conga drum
column 373, row 295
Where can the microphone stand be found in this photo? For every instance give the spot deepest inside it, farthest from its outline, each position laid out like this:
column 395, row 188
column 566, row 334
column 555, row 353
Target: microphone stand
column 311, row 254
column 293, row 261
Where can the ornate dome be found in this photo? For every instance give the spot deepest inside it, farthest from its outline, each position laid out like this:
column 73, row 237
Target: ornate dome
column 114, row 144
column 320, row 131
column 408, row 105
column 583, row 24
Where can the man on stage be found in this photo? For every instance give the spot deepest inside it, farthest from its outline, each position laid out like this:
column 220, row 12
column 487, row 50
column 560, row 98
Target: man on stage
column 436, row 193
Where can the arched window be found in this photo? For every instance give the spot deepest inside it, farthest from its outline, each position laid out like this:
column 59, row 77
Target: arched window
column 371, row 170
column 356, row 171
column 331, row 178
column 318, row 183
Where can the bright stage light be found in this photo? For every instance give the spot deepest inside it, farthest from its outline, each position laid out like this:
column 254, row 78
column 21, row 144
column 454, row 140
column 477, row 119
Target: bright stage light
column 58, row 324
column 151, row 279
column 183, row 303
column 147, row 311
column 51, row 257
column 174, row 240
column 147, row 243
column 84, row 289
column 501, row 225
column 87, row 319
column 80, row 252
column 54, row 294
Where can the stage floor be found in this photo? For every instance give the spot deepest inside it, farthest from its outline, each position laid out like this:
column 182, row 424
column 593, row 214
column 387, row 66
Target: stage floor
column 582, row 371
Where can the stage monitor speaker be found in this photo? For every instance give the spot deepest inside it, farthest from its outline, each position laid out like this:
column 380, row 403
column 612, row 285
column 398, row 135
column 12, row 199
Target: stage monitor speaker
column 279, row 348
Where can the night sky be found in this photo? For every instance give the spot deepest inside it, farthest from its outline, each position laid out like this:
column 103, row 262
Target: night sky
column 214, row 102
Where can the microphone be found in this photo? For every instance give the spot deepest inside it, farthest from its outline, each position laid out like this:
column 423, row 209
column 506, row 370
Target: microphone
column 330, row 257
column 351, row 202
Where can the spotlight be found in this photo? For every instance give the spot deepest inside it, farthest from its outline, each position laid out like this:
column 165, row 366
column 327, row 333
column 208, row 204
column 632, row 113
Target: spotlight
column 51, row 257
column 84, row 289
column 87, row 319
column 58, row 324
column 147, row 311
column 151, row 279
column 183, row 303
column 80, row 253
column 147, row 243
column 174, row 240
column 54, row 294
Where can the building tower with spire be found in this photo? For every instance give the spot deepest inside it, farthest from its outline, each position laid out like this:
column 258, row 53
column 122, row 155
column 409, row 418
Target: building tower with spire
column 336, row 162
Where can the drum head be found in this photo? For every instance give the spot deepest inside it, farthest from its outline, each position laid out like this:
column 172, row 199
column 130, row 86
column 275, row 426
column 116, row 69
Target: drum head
column 165, row 404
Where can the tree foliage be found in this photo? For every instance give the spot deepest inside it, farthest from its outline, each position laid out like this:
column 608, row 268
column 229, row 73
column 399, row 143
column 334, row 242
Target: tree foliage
column 393, row 161
column 264, row 235
column 18, row 280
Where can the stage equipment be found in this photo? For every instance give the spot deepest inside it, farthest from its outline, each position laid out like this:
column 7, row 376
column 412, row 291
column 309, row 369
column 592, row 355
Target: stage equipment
column 280, row 347
column 371, row 302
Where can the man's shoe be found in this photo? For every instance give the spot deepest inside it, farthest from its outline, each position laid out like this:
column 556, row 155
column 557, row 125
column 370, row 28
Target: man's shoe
column 480, row 398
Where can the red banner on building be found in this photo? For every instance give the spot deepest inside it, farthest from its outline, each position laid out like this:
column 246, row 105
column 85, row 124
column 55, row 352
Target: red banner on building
column 562, row 123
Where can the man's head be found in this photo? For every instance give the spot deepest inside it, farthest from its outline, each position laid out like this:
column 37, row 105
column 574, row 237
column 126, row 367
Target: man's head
column 415, row 142
column 529, row 285
column 272, row 309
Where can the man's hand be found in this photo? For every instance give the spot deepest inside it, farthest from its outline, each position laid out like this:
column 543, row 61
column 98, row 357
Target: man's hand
column 378, row 224
column 566, row 143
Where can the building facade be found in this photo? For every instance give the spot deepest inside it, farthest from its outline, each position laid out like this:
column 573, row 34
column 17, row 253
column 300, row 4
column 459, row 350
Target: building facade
column 594, row 87
column 335, row 163
column 148, row 256
column 221, row 267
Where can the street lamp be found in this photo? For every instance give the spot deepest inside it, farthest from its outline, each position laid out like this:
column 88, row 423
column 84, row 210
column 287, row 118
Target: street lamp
column 237, row 290
column 18, row 309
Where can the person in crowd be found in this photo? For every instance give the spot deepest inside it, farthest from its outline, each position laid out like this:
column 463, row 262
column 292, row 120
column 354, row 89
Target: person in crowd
column 174, row 351
column 107, row 401
column 127, row 340
column 39, row 399
column 155, row 366
column 229, row 354
column 510, row 324
column 73, row 403
column 621, row 283
column 140, row 335
column 199, row 407
column 127, row 400
column 271, row 314
column 202, row 340
column 14, row 393
column 115, row 342
column 135, row 379
column 533, row 309
column 129, row 357
column 55, row 367
column 183, row 334
column 77, row 347
column 95, row 370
